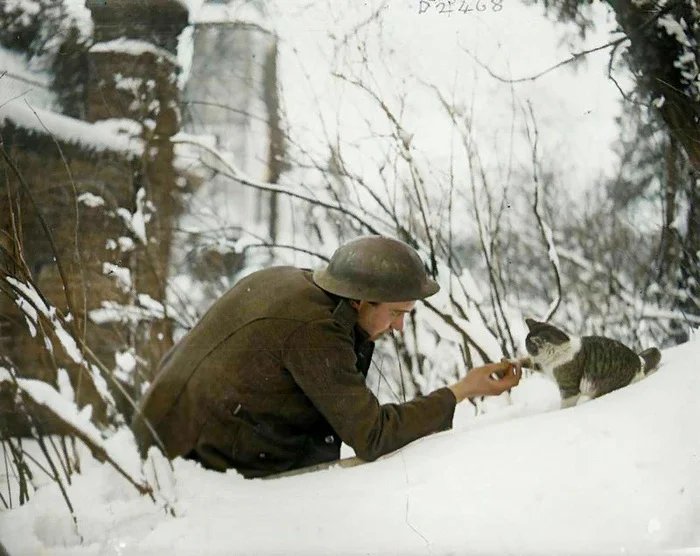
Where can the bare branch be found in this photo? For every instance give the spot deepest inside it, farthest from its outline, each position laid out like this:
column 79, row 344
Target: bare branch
column 44, row 225
column 573, row 58
column 546, row 232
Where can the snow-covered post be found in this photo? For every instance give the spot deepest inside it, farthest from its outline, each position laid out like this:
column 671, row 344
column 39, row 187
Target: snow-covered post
column 133, row 74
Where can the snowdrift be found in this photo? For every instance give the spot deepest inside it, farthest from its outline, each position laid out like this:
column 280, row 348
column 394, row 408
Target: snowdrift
column 619, row 475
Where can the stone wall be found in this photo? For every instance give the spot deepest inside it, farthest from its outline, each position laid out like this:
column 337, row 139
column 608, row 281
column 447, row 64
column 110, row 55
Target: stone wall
column 132, row 75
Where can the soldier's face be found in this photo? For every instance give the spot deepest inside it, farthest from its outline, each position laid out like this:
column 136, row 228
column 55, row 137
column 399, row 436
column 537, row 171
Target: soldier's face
column 378, row 318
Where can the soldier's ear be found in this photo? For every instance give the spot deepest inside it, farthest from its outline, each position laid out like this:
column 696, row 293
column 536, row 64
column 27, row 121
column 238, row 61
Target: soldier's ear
column 530, row 323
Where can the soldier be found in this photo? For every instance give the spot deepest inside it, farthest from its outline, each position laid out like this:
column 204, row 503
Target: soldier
column 273, row 376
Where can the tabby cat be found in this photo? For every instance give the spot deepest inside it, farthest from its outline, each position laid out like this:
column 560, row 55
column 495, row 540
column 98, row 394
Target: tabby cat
column 587, row 367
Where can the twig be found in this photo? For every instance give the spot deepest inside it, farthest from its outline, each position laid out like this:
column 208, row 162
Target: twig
column 417, row 180
column 7, row 477
column 239, row 177
column 60, row 459
column 569, row 60
column 544, row 229
column 44, row 225
column 18, row 77
column 37, row 463
column 77, row 219
column 466, row 337
column 57, row 480
column 95, row 361
column 22, row 469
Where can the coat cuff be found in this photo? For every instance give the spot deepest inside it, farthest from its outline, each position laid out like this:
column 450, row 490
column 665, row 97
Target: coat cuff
column 448, row 403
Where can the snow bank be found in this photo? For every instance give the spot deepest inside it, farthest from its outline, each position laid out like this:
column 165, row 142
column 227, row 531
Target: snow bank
column 619, row 475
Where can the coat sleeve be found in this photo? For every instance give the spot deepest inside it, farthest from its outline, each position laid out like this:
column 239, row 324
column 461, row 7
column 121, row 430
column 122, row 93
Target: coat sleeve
column 321, row 359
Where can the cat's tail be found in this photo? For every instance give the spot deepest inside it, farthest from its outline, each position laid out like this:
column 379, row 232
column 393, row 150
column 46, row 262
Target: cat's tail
column 651, row 358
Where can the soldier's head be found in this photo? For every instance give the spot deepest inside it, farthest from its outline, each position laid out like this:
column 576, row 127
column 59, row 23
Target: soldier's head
column 383, row 277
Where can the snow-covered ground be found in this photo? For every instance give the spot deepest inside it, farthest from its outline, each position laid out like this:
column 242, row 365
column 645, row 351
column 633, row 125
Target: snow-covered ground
column 619, row 475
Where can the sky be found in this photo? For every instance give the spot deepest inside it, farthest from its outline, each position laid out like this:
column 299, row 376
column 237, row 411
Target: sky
column 575, row 107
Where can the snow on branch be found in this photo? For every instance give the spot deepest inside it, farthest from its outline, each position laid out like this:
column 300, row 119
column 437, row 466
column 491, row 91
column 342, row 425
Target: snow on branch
column 136, row 221
column 33, row 305
column 687, row 59
column 75, row 421
column 146, row 309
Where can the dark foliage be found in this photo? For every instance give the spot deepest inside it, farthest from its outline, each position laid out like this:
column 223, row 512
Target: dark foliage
column 51, row 39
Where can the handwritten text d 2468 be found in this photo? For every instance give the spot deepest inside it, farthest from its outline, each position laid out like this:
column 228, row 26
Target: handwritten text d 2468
column 459, row 6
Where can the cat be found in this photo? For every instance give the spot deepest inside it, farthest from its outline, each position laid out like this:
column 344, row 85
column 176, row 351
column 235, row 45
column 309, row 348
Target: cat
column 584, row 368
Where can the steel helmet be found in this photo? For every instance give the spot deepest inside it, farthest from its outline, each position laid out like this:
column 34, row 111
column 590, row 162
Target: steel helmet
column 376, row 268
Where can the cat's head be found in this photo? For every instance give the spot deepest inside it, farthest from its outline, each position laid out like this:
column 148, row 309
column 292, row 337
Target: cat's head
column 544, row 338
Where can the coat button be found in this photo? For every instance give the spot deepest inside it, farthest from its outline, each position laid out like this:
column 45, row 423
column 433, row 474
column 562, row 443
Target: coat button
column 329, row 439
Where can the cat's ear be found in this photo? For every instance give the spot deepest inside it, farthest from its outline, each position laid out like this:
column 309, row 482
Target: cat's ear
column 531, row 323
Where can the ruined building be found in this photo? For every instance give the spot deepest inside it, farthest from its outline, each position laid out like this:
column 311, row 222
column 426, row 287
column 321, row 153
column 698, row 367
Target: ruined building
column 88, row 201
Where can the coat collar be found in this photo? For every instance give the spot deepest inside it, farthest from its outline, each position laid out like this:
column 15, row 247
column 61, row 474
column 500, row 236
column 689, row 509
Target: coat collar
column 346, row 315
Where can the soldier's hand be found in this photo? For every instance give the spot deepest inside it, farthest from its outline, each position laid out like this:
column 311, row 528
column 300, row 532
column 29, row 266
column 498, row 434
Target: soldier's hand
column 488, row 380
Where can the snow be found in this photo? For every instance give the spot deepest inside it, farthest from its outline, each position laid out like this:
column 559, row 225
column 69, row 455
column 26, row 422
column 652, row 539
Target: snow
column 146, row 309
column 21, row 83
column 121, row 275
column 674, row 29
column 91, row 200
column 29, row 7
column 115, row 135
column 28, row 294
column 125, row 244
column 44, row 394
column 80, row 15
column 618, row 475
column 65, row 388
column 136, row 221
column 30, row 315
column 126, row 363
column 242, row 13
column 133, row 47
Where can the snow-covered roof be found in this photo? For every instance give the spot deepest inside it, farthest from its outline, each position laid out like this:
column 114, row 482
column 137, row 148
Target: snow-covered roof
column 115, row 135
column 134, row 47
column 26, row 101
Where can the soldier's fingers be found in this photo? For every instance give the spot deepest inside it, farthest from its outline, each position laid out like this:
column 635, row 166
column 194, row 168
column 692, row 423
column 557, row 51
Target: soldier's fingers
column 500, row 386
column 517, row 368
column 508, row 368
column 511, row 377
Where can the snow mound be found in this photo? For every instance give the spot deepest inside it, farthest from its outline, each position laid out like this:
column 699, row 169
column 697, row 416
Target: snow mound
column 618, row 475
